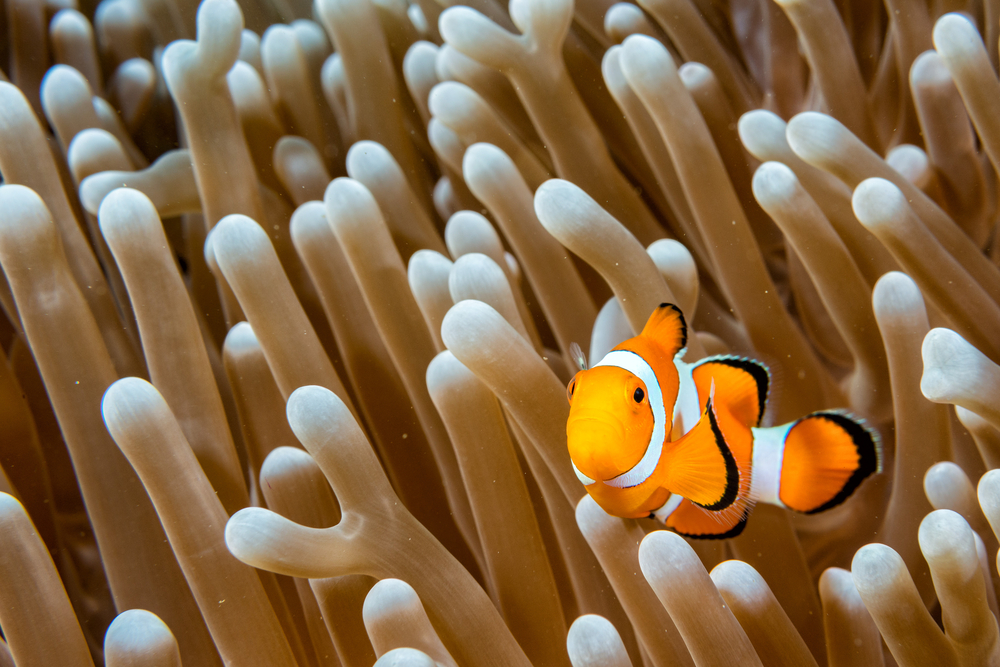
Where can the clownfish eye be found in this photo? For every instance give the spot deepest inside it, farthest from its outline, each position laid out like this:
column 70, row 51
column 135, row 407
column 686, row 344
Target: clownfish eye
column 638, row 395
column 570, row 389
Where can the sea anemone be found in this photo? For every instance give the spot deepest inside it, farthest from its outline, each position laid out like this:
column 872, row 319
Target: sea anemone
column 292, row 296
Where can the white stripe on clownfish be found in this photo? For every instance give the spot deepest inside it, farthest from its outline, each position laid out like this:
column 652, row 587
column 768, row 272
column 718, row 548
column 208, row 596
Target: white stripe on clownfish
column 687, row 407
column 673, row 502
column 586, row 481
column 685, row 413
column 768, row 459
column 639, row 367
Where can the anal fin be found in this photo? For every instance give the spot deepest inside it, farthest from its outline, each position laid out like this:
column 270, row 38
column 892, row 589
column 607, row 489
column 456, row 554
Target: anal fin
column 692, row 521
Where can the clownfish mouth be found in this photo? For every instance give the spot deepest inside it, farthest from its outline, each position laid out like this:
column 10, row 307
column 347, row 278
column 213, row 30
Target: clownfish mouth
column 599, row 446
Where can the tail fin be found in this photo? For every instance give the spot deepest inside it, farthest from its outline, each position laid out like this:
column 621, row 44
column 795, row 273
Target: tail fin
column 826, row 456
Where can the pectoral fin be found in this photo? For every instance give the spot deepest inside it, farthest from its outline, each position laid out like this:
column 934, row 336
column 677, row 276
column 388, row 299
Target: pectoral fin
column 701, row 467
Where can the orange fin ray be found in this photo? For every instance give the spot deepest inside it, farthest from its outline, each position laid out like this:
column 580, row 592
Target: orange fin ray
column 701, row 466
column 743, row 385
column 826, row 457
column 667, row 326
column 692, row 521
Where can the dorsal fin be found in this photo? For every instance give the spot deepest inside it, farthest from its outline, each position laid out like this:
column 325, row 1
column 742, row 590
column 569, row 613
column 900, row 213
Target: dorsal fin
column 745, row 382
column 667, row 326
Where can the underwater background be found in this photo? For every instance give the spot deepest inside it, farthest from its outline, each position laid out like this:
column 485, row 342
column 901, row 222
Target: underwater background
column 292, row 295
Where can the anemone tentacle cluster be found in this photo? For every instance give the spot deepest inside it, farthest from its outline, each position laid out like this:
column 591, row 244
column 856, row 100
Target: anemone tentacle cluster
column 292, row 293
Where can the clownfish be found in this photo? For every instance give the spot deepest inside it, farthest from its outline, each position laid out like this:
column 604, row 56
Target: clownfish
column 650, row 435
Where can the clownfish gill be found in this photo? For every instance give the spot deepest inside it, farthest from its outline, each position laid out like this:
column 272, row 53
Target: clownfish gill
column 650, row 435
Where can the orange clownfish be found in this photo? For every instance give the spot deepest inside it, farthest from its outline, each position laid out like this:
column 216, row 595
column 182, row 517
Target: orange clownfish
column 652, row 436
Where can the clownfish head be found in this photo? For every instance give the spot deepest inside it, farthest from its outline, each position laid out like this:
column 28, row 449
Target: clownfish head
column 610, row 422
